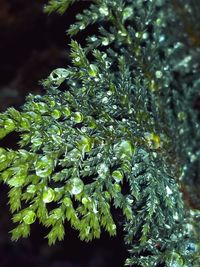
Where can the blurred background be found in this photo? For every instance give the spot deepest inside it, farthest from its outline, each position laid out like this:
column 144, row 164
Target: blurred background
column 32, row 44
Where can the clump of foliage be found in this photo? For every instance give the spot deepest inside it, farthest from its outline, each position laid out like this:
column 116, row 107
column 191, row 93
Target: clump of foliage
column 116, row 129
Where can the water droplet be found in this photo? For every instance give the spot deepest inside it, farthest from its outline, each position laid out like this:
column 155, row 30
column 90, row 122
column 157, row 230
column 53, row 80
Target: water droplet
column 181, row 116
column 158, row 74
column 78, row 117
column 102, row 169
column 85, row 144
column 138, row 34
column 168, row 190
column 31, row 189
column 93, row 38
column 29, row 217
column 127, row 12
column 109, row 93
column 76, row 186
column 99, row 155
column 77, row 59
column 111, row 127
column 48, row 195
column 175, row 216
column 94, row 207
column 85, row 200
column 161, row 38
column 44, row 166
column 105, row 41
column 124, row 149
column 145, row 35
column 105, row 100
column 83, row 129
column 56, row 114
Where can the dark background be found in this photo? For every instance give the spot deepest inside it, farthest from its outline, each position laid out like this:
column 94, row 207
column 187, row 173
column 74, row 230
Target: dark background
column 32, row 44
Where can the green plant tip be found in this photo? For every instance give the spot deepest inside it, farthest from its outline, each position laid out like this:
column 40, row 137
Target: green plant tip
column 66, row 112
column 118, row 176
column 93, row 70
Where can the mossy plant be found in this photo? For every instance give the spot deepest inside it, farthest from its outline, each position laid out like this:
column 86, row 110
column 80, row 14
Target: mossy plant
column 111, row 131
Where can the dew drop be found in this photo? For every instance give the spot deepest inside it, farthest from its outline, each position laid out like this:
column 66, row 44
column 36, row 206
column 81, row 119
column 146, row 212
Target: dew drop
column 158, row 74
column 77, row 59
column 78, row 117
column 31, row 189
column 44, row 167
column 168, row 190
column 48, row 195
column 76, row 186
column 29, row 217
column 105, row 41
column 105, row 100
column 102, row 169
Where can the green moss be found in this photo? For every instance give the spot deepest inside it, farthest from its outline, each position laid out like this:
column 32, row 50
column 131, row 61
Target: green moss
column 110, row 140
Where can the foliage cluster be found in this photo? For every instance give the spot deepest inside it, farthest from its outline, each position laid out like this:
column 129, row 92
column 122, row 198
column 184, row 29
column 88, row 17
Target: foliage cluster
column 116, row 129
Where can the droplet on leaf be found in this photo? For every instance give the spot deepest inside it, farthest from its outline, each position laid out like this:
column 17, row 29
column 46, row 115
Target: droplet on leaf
column 31, row 189
column 76, row 186
column 48, row 195
column 124, row 149
column 44, row 166
column 78, row 117
column 102, row 169
column 56, row 114
column 29, row 217
column 85, row 144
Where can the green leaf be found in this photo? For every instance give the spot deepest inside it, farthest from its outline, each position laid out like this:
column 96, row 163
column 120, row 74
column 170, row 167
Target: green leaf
column 118, row 175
